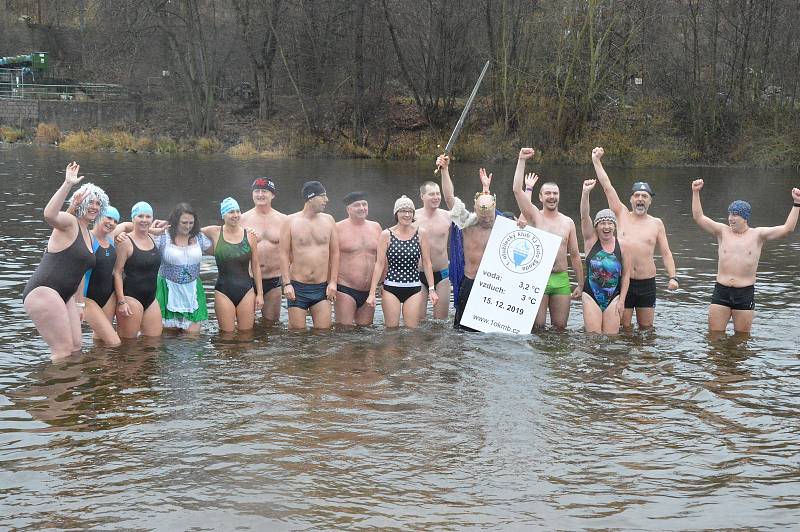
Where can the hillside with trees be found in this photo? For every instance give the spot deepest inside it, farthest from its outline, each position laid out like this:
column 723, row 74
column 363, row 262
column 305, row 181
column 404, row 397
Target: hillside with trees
column 657, row 82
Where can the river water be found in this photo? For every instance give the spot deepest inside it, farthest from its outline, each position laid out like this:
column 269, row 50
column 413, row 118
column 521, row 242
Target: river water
column 425, row 429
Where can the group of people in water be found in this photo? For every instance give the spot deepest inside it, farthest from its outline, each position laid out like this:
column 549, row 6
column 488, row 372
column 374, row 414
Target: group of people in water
column 144, row 275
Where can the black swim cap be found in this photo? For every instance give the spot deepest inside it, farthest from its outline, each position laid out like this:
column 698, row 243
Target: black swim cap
column 312, row 189
column 353, row 197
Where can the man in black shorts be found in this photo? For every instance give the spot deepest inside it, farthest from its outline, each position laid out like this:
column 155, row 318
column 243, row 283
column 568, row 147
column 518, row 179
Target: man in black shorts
column 739, row 252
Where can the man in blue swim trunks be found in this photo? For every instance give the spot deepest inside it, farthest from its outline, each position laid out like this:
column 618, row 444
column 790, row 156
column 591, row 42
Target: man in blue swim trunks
column 436, row 222
column 358, row 248
column 739, row 252
column 309, row 248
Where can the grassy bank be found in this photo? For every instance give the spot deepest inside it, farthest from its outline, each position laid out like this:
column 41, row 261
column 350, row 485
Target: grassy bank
column 637, row 135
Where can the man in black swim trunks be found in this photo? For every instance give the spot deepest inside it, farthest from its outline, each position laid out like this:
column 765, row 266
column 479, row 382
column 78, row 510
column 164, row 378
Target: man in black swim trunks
column 739, row 252
column 358, row 245
column 309, row 247
column 642, row 233
column 266, row 221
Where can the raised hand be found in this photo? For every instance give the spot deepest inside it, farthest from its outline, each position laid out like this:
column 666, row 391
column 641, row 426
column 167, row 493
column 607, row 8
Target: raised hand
column 76, row 200
column 589, row 184
column 486, row 180
column 530, row 180
column 796, row 195
column 526, row 153
column 443, row 161
column 697, row 184
column 71, row 175
column 598, row 153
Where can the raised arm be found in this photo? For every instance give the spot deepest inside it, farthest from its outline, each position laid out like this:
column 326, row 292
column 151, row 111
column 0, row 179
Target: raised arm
column 705, row 223
column 780, row 231
column 443, row 162
column 530, row 181
column 666, row 256
column 587, row 229
column 611, row 194
column 53, row 215
column 575, row 259
column 526, row 206
column 333, row 260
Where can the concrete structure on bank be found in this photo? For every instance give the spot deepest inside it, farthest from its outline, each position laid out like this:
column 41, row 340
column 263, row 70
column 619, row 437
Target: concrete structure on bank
column 69, row 115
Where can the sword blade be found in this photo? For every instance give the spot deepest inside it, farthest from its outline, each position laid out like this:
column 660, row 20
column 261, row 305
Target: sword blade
column 460, row 123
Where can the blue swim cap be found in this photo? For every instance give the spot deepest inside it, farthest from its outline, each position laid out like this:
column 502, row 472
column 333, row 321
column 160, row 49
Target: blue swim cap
column 228, row 204
column 740, row 208
column 141, row 207
column 111, row 212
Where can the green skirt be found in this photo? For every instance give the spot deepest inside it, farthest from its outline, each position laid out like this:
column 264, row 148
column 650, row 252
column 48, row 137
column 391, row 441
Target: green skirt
column 181, row 320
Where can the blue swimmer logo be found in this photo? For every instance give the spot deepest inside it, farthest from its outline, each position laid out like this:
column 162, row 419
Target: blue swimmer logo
column 521, row 251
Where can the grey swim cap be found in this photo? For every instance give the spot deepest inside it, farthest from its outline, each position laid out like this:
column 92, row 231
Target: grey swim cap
column 605, row 215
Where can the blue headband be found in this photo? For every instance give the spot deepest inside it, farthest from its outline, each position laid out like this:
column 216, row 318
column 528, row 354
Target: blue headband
column 740, row 208
column 228, row 205
column 141, row 207
column 111, row 212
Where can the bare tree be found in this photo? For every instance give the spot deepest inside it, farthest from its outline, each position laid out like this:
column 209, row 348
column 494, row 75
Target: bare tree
column 188, row 27
column 256, row 18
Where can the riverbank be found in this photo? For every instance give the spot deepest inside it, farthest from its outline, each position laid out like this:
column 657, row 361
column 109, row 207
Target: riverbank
column 639, row 136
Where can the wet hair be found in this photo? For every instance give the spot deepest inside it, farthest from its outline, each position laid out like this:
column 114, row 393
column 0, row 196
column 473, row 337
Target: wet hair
column 425, row 185
column 175, row 218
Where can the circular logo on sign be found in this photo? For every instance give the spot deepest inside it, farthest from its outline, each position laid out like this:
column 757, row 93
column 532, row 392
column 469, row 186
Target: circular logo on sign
column 521, row 251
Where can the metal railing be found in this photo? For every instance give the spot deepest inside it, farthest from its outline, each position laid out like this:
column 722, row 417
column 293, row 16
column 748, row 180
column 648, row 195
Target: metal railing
column 69, row 92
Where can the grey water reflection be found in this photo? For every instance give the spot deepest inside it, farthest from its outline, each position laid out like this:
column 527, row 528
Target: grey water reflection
column 427, row 429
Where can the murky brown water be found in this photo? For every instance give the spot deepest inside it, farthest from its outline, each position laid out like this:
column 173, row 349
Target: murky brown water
column 429, row 429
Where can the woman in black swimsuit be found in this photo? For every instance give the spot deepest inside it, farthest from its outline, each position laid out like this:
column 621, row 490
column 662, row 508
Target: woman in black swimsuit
column 52, row 296
column 138, row 259
column 401, row 249
column 98, row 282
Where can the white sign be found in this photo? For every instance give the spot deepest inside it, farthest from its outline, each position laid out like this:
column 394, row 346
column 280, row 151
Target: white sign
column 511, row 279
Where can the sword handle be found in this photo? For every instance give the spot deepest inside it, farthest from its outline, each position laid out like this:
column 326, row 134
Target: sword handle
column 436, row 172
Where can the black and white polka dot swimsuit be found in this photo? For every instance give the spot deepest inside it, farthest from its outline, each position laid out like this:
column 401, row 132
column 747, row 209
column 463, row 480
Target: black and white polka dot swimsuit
column 402, row 274
column 403, row 259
